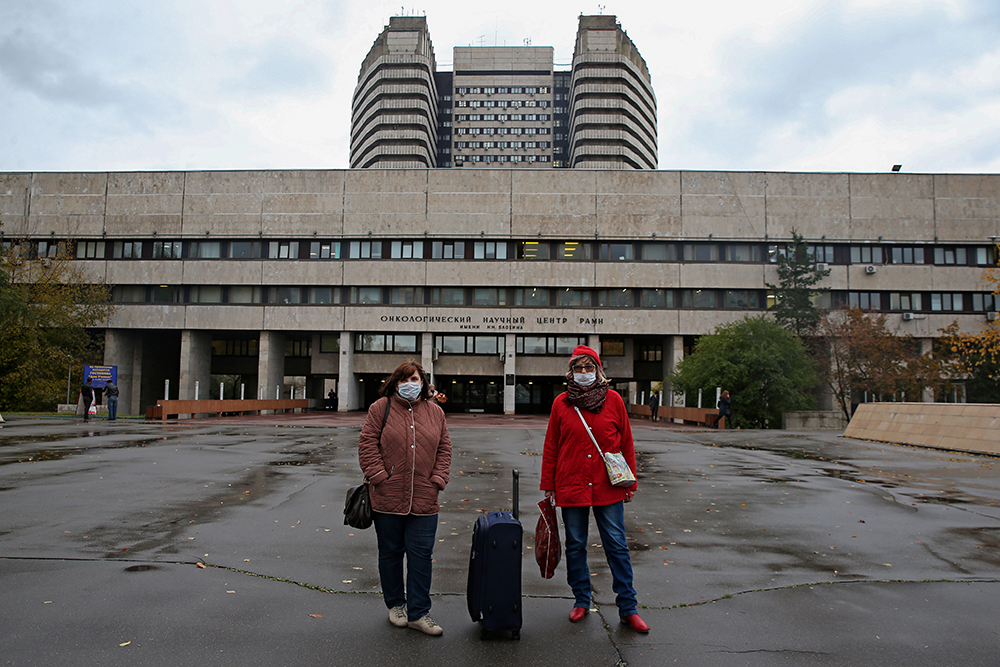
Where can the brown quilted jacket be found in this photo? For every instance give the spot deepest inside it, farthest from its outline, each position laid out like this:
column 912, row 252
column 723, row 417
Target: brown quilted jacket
column 415, row 460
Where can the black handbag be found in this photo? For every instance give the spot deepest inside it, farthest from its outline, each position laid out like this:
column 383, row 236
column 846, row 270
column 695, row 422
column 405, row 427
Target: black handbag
column 358, row 505
column 358, row 508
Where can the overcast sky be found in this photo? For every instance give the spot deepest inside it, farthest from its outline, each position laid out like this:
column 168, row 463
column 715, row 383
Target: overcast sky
column 775, row 85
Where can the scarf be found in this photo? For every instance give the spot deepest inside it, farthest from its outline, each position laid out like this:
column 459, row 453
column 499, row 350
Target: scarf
column 587, row 398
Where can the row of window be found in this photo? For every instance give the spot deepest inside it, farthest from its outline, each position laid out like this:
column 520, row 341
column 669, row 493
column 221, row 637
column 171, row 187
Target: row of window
column 249, row 347
column 493, row 131
column 410, row 343
column 501, row 158
column 503, row 118
column 457, row 344
column 903, row 254
column 503, row 90
column 502, row 144
column 646, row 251
column 544, row 297
column 503, row 104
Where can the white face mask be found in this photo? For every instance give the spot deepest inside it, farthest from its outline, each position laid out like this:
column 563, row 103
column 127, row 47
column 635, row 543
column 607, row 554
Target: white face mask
column 584, row 379
column 409, row 391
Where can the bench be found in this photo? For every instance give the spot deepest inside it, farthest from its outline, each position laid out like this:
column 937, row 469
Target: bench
column 164, row 409
column 701, row 416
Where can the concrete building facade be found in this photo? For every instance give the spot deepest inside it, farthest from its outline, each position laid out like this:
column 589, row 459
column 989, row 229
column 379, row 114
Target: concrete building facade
column 489, row 277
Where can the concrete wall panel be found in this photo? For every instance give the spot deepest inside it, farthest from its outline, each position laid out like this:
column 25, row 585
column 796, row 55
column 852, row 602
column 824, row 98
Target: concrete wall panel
column 224, row 182
column 148, row 316
column 736, row 276
column 910, row 186
column 469, row 274
column 136, row 183
column 294, row 272
column 229, row 317
column 218, row 272
column 651, row 274
column 158, row 272
column 397, row 273
column 304, row 182
column 553, row 274
column 304, row 318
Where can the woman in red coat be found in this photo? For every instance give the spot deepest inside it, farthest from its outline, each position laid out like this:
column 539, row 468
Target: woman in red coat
column 574, row 474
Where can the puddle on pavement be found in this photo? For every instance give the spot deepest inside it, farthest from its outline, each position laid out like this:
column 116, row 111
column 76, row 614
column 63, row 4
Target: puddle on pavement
column 55, row 454
column 141, row 568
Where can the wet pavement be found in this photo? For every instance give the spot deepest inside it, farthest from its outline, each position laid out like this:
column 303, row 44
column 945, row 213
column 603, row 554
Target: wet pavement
column 221, row 542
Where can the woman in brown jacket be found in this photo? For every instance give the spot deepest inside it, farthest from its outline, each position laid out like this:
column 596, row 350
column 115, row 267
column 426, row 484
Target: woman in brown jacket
column 406, row 463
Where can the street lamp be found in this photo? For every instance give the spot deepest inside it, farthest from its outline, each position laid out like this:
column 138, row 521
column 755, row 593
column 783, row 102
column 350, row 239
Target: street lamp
column 69, row 376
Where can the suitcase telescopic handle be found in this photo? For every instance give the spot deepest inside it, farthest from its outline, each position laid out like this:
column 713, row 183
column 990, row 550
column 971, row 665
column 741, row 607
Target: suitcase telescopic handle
column 516, row 503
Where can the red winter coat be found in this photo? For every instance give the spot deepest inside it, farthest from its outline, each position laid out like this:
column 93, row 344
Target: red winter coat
column 415, row 460
column 571, row 465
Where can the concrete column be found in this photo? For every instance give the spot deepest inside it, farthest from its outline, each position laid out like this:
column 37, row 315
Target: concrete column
column 270, row 364
column 672, row 356
column 123, row 348
column 594, row 343
column 667, row 365
column 427, row 356
column 348, row 394
column 926, row 345
column 509, row 370
column 196, row 364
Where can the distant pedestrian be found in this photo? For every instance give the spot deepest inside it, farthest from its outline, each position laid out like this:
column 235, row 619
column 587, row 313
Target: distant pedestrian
column 331, row 399
column 723, row 409
column 654, row 406
column 111, row 391
column 87, row 394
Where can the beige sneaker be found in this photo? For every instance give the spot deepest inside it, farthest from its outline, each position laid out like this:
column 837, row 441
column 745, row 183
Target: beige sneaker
column 397, row 616
column 427, row 626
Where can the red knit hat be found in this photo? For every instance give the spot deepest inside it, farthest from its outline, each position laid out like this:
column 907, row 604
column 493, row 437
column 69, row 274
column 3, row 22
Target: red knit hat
column 584, row 350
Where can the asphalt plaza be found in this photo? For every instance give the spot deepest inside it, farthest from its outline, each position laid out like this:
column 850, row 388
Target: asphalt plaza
column 220, row 542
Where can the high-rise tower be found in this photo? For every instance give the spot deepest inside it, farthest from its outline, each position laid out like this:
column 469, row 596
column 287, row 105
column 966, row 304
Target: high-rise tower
column 394, row 113
column 612, row 122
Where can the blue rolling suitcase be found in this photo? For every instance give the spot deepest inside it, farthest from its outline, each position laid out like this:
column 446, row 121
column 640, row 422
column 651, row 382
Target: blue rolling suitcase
column 495, row 571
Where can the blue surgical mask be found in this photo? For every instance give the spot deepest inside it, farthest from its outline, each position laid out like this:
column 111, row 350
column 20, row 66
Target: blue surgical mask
column 584, row 379
column 409, row 391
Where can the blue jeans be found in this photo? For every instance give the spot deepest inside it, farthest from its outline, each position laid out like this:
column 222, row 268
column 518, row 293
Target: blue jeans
column 412, row 536
column 112, row 408
column 611, row 525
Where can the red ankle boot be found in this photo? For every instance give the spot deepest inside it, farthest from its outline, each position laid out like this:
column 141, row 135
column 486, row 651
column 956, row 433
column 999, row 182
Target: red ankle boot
column 635, row 623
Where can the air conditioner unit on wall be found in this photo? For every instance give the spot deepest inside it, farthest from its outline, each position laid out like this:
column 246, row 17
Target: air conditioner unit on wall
column 907, row 316
column 870, row 269
column 822, row 266
column 991, row 317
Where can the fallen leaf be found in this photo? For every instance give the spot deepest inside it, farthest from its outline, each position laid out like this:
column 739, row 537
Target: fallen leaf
column 201, row 565
column 125, row 643
column 315, row 616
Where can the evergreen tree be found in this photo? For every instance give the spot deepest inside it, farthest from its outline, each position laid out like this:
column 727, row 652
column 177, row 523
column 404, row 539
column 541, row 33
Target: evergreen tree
column 798, row 276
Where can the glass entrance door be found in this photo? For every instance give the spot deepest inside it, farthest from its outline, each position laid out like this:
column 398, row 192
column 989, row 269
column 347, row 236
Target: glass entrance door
column 467, row 394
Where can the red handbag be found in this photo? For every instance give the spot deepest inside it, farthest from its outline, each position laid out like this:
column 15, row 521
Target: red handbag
column 548, row 548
